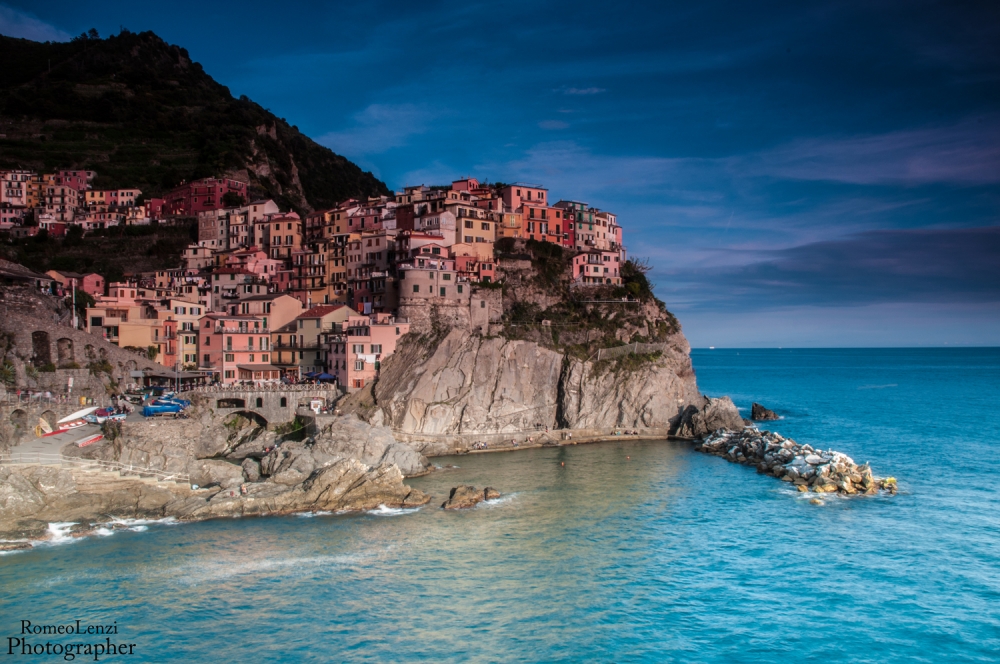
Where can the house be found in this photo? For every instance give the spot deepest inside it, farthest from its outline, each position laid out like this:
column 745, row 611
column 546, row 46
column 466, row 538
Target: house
column 357, row 351
column 301, row 347
column 91, row 283
column 236, row 348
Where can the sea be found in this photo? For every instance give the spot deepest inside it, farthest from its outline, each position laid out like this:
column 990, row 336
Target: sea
column 623, row 551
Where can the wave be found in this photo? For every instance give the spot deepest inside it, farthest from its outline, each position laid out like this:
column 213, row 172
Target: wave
column 877, row 387
column 495, row 502
column 309, row 515
column 382, row 510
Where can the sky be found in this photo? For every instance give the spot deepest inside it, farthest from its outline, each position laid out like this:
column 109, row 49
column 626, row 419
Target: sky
column 797, row 174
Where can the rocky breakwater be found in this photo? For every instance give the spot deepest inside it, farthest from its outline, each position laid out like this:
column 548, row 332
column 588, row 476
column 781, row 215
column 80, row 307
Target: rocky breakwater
column 805, row 468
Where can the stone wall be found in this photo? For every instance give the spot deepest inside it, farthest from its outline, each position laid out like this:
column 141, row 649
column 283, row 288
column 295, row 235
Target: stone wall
column 276, row 406
column 37, row 334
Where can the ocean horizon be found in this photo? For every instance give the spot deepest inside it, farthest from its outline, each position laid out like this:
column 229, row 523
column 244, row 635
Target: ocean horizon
column 618, row 551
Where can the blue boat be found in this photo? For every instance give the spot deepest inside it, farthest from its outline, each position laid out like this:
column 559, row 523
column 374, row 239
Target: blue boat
column 161, row 409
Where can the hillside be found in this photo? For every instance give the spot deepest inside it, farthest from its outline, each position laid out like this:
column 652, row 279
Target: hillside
column 139, row 112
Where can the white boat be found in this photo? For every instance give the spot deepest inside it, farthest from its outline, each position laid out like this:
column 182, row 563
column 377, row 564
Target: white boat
column 73, row 420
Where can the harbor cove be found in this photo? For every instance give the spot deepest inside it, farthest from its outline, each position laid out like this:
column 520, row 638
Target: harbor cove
column 624, row 550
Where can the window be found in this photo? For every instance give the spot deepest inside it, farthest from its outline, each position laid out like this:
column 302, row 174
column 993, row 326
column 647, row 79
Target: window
column 442, row 291
column 446, row 276
column 460, row 288
column 284, row 402
column 468, row 239
column 359, row 365
column 482, row 304
column 230, row 357
column 208, row 358
column 485, row 226
column 229, row 373
column 397, row 331
column 260, row 402
column 357, row 349
column 468, row 223
column 376, row 348
column 416, row 288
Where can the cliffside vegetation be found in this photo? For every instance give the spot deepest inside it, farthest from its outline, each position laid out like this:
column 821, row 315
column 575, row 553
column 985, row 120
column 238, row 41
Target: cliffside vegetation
column 139, row 112
column 541, row 304
column 111, row 252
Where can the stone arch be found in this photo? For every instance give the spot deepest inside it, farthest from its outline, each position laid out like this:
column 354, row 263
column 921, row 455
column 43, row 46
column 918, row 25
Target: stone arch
column 231, row 402
column 244, row 426
column 19, row 418
column 50, row 417
column 131, row 365
column 254, row 417
column 103, row 352
column 41, row 347
column 89, row 351
column 64, row 350
column 260, row 402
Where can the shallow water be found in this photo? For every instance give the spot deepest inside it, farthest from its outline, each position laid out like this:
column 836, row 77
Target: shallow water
column 631, row 551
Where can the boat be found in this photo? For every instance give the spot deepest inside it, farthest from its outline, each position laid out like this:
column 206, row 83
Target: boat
column 73, row 420
column 88, row 440
column 161, row 409
column 101, row 415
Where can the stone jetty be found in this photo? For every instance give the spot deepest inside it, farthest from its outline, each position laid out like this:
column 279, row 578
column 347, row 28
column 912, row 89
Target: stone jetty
column 806, row 468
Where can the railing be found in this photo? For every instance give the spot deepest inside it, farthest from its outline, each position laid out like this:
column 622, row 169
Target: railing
column 637, row 348
column 35, row 458
column 265, row 387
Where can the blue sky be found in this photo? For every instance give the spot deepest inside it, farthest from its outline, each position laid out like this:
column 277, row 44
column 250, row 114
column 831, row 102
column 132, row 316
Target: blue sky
column 798, row 174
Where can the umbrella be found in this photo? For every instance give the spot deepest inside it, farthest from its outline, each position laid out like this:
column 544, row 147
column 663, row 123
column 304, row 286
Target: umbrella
column 310, row 374
column 325, row 376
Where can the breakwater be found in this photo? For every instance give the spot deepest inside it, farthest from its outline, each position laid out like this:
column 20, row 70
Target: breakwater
column 808, row 469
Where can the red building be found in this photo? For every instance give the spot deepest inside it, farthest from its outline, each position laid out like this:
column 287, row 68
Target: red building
column 190, row 198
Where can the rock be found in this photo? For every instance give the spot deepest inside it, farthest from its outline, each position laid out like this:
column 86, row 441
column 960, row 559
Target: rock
column 215, row 472
column 716, row 414
column 482, row 384
column 802, row 488
column 762, row 414
column 463, row 497
column 14, row 546
column 813, row 460
column 347, row 436
column 251, row 469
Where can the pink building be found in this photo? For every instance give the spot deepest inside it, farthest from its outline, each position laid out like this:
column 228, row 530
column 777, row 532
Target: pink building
column 190, row 198
column 236, row 348
column 519, row 193
column 356, row 355
column 597, row 267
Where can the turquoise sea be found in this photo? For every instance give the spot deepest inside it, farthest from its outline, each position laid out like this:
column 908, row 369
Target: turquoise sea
column 631, row 551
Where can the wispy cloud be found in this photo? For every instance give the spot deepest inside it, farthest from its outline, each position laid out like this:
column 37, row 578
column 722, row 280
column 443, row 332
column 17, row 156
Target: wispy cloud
column 14, row 23
column 930, row 266
column 380, row 127
column 967, row 153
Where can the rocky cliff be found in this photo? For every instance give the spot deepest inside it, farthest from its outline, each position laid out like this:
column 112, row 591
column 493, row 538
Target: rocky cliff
column 470, row 384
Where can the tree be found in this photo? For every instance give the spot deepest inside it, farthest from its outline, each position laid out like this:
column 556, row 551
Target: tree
column 83, row 300
column 232, row 199
column 74, row 236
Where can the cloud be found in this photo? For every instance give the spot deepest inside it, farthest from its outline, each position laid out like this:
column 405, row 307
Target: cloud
column 926, row 265
column 967, row 153
column 14, row 23
column 378, row 128
column 553, row 124
column 583, row 91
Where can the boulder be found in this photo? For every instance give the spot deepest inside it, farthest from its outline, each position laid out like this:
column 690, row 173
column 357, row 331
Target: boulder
column 714, row 415
column 215, row 472
column 463, row 497
column 251, row 469
column 762, row 414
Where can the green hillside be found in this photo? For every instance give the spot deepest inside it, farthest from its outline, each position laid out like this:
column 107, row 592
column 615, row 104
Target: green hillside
column 139, row 112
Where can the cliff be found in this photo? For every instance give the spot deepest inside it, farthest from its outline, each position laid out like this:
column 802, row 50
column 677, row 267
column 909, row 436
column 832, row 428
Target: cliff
column 553, row 356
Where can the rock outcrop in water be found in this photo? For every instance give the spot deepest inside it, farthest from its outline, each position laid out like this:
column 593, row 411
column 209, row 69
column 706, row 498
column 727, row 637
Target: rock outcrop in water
column 759, row 413
column 805, row 468
column 463, row 497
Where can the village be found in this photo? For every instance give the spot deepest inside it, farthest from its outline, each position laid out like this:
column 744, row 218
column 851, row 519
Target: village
column 267, row 296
